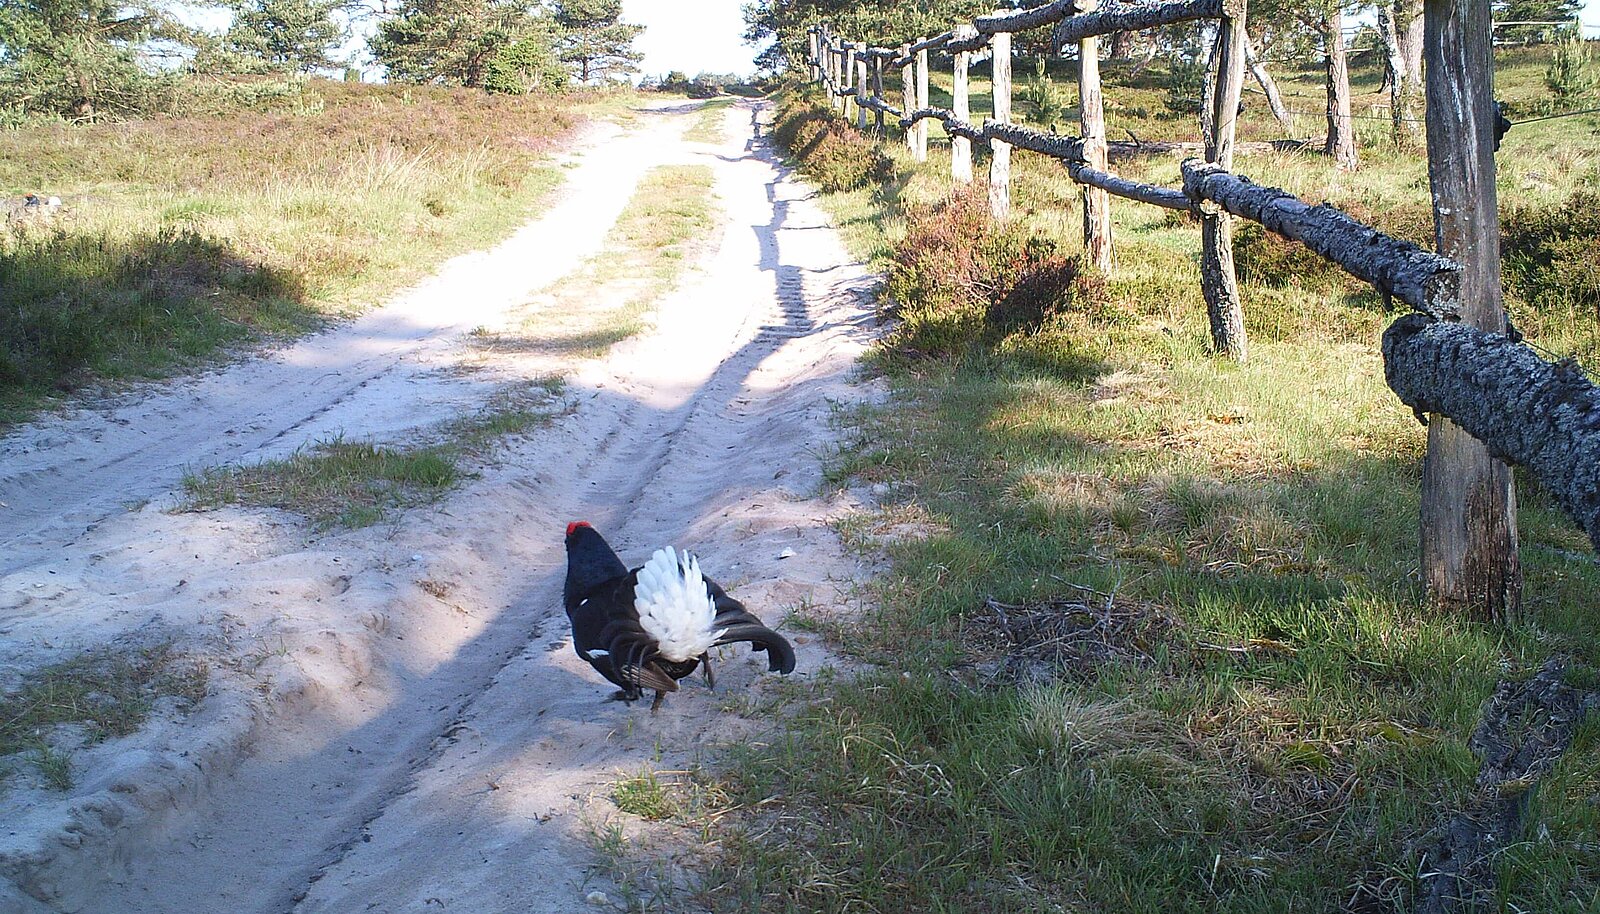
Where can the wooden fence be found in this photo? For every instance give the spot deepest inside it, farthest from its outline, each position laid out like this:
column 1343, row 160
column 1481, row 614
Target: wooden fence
column 1451, row 359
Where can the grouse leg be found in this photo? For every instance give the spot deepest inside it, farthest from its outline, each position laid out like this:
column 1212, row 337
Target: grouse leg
column 625, row 695
column 656, row 705
column 711, row 678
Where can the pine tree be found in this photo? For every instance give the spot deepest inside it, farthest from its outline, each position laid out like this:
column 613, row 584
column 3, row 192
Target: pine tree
column 1534, row 11
column 594, row 41
column 284, row 34
column 77, row 57
column 486, row 44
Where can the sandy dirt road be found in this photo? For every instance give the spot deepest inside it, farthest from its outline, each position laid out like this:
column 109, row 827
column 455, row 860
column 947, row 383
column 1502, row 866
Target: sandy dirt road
column 397, row 721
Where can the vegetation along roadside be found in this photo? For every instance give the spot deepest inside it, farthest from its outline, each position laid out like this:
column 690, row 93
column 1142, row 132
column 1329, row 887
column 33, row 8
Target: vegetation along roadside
column 257, row 211
column 1152, row 638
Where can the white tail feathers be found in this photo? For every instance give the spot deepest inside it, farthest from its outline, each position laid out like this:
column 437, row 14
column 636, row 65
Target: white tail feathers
column 674, row 606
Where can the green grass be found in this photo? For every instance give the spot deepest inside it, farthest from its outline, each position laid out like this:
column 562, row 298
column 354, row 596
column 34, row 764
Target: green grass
column 711, row 124
column 108, row 693
column 1219, row 686
column 644, row 795
column 340, row 483
column 656, row 239
column 253, row 213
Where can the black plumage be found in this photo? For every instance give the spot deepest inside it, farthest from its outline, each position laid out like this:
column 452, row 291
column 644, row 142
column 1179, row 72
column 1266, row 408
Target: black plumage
column 608, row 634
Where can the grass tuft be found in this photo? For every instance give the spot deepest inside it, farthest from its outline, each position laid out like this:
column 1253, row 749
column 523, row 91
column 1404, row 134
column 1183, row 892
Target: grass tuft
column 107, row 693
column 340, row 483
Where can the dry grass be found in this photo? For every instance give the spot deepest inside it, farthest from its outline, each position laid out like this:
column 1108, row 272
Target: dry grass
column 180, row 235
column 340, row 483
column 101, row 694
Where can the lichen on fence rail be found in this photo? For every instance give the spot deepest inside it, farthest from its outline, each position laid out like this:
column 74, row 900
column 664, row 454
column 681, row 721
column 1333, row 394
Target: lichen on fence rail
column 878, row 104
column 1169, row 197
column 1058, row 145
column 1539, row 415
column 1422, row 279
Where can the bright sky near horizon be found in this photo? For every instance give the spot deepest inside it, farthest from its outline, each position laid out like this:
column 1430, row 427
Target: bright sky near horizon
column 695, row 36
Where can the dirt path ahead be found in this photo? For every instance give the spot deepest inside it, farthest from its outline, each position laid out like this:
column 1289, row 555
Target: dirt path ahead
column 401, row 724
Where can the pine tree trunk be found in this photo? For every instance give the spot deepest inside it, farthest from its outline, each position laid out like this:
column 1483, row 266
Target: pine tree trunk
column 1121, row 45
column 1408, row 32
column 1341, row 142
column 1270, row 89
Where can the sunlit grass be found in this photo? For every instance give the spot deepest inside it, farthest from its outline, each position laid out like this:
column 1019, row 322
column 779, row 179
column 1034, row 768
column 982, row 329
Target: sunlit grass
column 1291, row 724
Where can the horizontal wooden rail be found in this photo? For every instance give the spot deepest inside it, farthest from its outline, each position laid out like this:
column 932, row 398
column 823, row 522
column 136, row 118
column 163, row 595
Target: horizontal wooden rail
column 1058, row 145
column 952, row 125
column 1527, row 411
column 878, row 104
column 1169, row 197
column 1051, row 144
column 926, row 44
column 1421, row 279
column 970, row 43
column 1077, row 27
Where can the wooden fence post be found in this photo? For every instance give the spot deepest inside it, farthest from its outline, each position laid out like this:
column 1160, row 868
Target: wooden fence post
column 861, row 94
column 813, row 71
column 877, row 91
column 849, row 74
column 961, row 106
column 1000, row 161
column 835, row 55
column 920, row 150
column 1217, row 281
column 908, row 93
column 1469, row 504
column 1092, row 120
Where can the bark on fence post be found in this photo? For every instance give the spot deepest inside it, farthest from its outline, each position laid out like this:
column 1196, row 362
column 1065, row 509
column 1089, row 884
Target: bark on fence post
column 849, row 74
column 908, row 93
column 1469, row 504
column 813, row 71
column 877, row 92
column 961, row 106
column 835, row 80
column 861, row 94
column 1217, row 281
column 920, row 150
column 1000, row 160
column 1092, row 120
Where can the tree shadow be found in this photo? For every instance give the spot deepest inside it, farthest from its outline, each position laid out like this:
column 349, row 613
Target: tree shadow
column 95, row 304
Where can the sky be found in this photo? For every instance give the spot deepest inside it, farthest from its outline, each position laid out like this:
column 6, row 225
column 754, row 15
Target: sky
column 695, row 36
column 699, row 36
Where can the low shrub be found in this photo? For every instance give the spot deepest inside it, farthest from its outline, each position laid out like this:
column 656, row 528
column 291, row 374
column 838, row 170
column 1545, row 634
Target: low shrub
column 828, row 151
column 1267, row 258
column 82, row 303
column 960, row 279
column 1547, row 252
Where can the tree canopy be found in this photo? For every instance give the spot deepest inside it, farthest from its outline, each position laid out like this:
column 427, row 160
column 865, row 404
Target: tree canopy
column 594, row 41
column 781, row 25
column 77, row 57
column 267, row 35
column 506, row 46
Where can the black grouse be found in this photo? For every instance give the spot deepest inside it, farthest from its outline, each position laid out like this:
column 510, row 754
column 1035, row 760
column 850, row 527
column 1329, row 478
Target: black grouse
column 650, row 627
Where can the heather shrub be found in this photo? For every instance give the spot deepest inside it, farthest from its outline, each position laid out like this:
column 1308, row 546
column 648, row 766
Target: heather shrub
column 960, row 279
column 829, row 152
column 1549, row 252
column 1267, row 258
